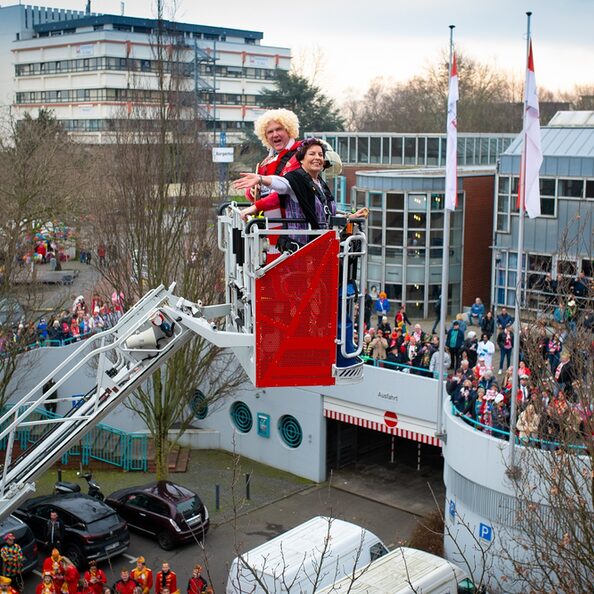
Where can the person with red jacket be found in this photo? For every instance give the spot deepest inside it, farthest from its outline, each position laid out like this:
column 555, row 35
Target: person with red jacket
column 47, row 585
column 71, row 576
column 142, row 575
column 277, row 129
column 54, row 564
column 125, row 585
column 197, row 584
column 95, row 578
column 166, row 580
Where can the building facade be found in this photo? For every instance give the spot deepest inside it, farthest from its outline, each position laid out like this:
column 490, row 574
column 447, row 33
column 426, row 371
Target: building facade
column 406, row 227
column 560, row 241
column 92, row 70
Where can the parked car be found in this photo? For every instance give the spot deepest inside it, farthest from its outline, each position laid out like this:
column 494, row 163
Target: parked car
column 92, row 530
column 23, row 537
column 171, row 512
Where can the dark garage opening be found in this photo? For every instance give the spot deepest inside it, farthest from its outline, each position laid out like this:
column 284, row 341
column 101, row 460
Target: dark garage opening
column 351, row 446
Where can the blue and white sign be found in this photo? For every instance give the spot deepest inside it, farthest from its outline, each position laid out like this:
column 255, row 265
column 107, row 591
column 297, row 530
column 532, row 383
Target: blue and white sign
column 452, row 510
column 486, row 532
column 263, row 424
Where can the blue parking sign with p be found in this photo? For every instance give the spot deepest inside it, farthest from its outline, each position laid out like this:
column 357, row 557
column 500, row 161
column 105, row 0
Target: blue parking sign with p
column 486, row 532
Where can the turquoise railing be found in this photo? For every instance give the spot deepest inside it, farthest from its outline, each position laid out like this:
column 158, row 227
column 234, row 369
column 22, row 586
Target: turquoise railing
column 128, row 451
column 502, row 434
column 397, row 366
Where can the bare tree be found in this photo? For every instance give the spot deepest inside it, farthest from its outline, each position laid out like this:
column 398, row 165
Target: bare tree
column 39, row 184
column 158, row 226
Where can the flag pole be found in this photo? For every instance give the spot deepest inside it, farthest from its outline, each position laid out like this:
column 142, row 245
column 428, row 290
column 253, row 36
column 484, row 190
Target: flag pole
column 440, row 432
column 519, row 270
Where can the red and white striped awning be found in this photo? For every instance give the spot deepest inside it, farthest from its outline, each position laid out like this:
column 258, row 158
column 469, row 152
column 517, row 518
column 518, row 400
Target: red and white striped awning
column 383, row 427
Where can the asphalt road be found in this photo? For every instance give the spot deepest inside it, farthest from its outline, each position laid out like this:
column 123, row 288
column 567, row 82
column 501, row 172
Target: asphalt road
column 391, row 525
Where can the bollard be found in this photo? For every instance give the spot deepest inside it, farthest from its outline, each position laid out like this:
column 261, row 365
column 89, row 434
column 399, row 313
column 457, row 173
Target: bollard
column 59, row 474
column 217, row 497
column 247, row 485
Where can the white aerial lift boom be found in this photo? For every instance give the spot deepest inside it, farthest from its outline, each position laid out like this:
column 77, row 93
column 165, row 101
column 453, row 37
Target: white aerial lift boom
column 126, row 355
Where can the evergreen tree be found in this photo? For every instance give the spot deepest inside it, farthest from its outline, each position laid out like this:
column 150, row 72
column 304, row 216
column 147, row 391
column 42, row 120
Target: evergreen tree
column 315, row 111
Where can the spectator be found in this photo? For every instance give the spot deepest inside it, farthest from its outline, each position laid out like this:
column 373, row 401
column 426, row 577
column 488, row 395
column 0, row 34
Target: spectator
column 553, row 348
column 486, row 349
column 477, row 311
column 454, row 342
column 565, row 373
column 505, row 342
column 488, row 325
column 401, row 318
column 504, row 320
column 470, row 347
column 500, row 417
column 523, row 394
column 384, row 326
column 461, row 323
column 378, row 346
column 51, row 403
column 434, row 363
column 382, row 305
column 528, row 424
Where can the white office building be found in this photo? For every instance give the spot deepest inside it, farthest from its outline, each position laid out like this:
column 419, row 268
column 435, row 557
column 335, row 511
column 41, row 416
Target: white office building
column 91, row 70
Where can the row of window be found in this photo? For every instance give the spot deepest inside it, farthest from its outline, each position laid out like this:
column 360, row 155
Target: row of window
column 137, row 65
column 550, row 190
column 111, row 125
column 124, row 95
column 535, row 267
column 417, row 150
column 180, row 36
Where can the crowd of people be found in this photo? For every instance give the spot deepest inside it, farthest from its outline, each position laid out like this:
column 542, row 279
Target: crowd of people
column 59, row 575
column 479, row 381
column 79, row 322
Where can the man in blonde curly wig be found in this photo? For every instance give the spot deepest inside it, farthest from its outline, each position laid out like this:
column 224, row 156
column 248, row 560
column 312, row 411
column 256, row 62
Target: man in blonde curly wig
column 278, row 130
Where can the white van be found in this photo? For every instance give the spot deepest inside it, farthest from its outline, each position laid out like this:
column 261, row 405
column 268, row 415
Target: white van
column 305, row 559
column 405, row 571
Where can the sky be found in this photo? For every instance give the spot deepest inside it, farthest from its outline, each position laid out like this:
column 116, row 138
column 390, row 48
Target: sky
column 397, row 39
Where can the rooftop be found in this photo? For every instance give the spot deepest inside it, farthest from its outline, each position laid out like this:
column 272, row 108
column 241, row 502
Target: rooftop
column 142, row 25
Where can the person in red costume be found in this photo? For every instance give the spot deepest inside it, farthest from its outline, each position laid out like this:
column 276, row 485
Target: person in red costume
column 54, row 564
column 71, row 576
column 95, row 578
column 125, row 585
column 197, row 584
column 47, row 585
column 5, row 587
column 277, row 129
column 142, row 575
column 166, row 580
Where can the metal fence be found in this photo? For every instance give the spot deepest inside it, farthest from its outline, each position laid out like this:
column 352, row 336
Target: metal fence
column 128, row 451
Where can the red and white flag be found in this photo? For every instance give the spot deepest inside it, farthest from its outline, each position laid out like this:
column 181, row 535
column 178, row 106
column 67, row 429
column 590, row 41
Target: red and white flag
column 451, row 182
column 528, row 187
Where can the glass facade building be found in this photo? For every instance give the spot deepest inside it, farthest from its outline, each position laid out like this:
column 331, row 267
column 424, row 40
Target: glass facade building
column 406, row 235
column 414, row 150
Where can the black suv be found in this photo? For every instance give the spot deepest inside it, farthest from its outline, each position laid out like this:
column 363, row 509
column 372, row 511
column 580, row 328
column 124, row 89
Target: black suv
column 93, row 531
column 23, row 537
column 173, row 513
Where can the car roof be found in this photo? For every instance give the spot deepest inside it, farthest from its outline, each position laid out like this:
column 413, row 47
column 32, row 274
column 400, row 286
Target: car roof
column 8, row 524
column 78, row 504
column 167, row 490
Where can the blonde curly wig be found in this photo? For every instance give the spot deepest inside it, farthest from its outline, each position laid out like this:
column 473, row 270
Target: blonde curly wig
column 288, row 120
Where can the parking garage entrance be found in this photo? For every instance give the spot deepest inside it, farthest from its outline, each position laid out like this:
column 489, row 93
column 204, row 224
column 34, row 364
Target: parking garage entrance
column 354, row 442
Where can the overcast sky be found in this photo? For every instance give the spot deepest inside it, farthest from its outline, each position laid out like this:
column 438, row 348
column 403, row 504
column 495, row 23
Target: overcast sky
column 398, row 38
